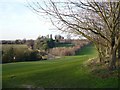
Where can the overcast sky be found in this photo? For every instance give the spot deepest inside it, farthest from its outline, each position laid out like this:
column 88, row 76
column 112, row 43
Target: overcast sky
column 17, row 21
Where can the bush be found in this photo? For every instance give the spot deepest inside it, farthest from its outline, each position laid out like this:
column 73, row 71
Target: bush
column 67, row 51
column 34, row 55
column 8, row 56
column 15, row 55
column 63, row 51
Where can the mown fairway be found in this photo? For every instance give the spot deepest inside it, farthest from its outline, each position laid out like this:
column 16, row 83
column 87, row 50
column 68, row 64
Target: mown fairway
column 68, row 72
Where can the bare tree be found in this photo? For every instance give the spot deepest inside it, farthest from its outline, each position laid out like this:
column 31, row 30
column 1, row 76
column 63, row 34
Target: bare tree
column 97, row 21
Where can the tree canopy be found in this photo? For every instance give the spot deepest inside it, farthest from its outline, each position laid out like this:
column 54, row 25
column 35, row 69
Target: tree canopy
column 43, row 43
column 99, row 22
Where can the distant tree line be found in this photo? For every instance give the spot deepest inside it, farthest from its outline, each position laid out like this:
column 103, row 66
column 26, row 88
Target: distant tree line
column 36, row 49
column 24, row 41
column 18, row 41
column 45, row 42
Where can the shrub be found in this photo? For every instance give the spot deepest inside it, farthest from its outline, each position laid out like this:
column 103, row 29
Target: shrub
column 34, row 55
column 67, row 51
column 63, row 51
column 15, row 55
column 8, row 56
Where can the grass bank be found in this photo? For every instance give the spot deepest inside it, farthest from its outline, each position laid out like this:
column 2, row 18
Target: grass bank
column 66, row 72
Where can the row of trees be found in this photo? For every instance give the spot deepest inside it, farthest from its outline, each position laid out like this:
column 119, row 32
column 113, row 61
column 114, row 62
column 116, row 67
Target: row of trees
column 24, row 41
column 45, row 42
column 18, row 41
column 99, row 22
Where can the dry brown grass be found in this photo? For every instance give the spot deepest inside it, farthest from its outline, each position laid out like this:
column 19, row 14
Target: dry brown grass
column 101, row 70
column 67, row 51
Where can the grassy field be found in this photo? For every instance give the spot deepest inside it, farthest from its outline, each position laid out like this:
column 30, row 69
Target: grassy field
column 66, row 72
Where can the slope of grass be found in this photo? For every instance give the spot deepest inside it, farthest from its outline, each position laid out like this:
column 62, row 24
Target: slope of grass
column 64, row 72
column 88, row 50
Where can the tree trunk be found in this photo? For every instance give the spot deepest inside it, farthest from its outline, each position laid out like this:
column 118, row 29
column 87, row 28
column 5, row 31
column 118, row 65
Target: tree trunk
column 119, row 56
column 113, row 59
column 119, row 52
column 99, row 53
column 100, row 57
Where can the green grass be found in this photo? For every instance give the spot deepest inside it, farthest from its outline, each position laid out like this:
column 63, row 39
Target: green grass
column 66, row 72
column 88, row 50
